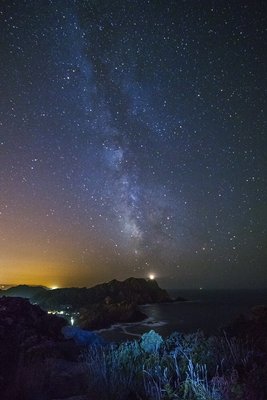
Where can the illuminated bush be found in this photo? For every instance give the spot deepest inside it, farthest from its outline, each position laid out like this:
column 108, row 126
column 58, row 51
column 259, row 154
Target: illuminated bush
column 151, row 342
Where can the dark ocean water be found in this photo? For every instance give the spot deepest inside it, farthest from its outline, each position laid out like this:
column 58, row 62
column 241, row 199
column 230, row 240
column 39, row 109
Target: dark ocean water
column 206, row 310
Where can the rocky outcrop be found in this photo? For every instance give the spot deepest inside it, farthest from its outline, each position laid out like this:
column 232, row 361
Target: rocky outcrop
column 132, row 290
column 103, row 315
column 36, row 361
column 251, row 327
column 19, row 320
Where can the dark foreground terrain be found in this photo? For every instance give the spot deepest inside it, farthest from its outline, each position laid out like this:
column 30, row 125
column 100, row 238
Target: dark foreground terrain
column 39, row 363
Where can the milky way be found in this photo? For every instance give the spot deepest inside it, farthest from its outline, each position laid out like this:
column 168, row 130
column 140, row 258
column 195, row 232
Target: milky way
column 133, row 141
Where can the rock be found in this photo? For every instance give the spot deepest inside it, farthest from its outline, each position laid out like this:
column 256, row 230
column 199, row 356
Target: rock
column 252, row 327
column 27, row 335
column 104, row 315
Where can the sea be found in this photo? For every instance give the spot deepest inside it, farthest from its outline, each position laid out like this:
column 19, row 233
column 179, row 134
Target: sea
column 204, row 310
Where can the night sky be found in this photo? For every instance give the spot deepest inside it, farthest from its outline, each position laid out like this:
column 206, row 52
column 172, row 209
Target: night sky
column 133, row 141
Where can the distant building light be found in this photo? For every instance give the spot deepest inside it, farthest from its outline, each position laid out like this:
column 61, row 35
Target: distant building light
column 72, row 321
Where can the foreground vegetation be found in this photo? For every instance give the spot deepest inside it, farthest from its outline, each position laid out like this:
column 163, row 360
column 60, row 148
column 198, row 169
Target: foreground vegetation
column 39, row 363
column 184, row 367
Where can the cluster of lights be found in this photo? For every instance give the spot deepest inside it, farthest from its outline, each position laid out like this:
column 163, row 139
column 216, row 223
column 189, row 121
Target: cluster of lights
column 56, row 312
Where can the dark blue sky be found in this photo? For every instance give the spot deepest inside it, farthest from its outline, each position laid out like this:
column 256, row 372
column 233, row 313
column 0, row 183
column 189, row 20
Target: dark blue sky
column 133, row 140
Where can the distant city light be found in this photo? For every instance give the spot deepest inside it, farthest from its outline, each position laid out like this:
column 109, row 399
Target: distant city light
column 151, row 276
column 72, row 321
column 54, row 287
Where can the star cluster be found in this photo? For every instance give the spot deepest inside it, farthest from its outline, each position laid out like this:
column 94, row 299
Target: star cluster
column 133, row 142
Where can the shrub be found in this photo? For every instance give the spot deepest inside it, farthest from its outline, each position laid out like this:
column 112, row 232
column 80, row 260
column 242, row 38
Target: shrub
column 151, row 342
column 182, row 367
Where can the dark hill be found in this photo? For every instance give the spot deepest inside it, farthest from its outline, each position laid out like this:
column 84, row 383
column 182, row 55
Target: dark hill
column 23, row 291
column 132, row 291
column 27, row 334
